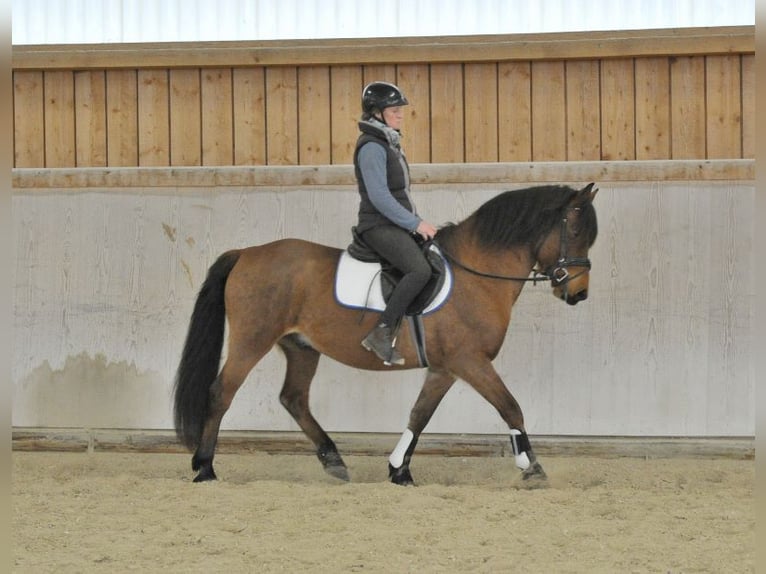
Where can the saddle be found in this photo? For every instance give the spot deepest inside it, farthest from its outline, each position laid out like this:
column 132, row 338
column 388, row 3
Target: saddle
column 390, row 276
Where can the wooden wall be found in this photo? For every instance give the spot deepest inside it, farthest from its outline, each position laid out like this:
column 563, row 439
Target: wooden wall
column 661, row 94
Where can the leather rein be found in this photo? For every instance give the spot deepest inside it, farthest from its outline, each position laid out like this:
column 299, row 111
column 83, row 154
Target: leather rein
column 557, row 273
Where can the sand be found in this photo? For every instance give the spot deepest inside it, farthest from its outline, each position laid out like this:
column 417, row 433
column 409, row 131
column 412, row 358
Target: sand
column 110, row 512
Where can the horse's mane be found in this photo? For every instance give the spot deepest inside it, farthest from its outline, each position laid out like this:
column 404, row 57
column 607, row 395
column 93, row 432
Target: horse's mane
column 521, row 217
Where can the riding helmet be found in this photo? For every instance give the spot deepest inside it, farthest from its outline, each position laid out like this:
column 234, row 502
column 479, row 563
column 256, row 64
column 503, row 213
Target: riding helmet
column 378, row 96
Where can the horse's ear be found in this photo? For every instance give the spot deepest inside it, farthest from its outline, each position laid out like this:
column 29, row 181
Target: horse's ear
column 587, row 193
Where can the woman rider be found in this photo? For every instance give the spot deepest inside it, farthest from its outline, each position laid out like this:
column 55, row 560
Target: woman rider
column 388, row 221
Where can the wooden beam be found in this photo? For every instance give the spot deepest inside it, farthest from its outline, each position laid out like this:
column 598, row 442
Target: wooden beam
column 381, row 444
column 336, row 176
column 371, row 51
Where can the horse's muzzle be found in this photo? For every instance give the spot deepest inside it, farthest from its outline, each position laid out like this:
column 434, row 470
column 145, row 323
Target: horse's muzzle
column 574, row 298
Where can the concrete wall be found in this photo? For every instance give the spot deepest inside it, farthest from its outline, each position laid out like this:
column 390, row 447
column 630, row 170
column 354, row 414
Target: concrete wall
column 105, row 277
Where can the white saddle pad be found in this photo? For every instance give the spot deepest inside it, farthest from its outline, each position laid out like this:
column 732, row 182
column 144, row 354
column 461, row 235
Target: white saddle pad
column 357, row 285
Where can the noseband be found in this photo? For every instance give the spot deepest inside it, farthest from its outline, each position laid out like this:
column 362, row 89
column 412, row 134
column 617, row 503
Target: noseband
column 557, row 273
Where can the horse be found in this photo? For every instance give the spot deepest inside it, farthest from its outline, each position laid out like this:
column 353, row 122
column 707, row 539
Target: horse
column 281, row 293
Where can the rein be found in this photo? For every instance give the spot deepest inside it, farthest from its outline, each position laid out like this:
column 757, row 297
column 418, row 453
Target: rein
column 558, row 273
column 535, row 278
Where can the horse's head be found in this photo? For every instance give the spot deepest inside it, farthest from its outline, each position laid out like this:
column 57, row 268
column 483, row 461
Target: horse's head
column 563, row 255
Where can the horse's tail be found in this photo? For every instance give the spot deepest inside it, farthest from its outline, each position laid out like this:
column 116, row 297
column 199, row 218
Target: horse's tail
column 201, row 356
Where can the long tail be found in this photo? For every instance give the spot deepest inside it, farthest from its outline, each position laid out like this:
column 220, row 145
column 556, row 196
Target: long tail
column 202, row 353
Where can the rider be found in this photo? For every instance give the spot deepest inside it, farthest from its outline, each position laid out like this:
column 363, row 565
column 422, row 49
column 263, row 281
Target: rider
column 388, row 221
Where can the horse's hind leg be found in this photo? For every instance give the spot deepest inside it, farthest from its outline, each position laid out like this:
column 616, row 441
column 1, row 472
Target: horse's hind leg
column 302, row 361
column 434, row 388
column 221, row 394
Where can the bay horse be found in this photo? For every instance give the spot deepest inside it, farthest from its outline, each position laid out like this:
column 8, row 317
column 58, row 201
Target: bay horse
column 281, row 293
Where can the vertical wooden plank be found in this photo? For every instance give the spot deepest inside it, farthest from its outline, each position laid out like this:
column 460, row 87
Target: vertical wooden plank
column 687, row 107
column 481, row 143
column 249, row 116
column 121, row 118
column 379, row 73
column 583, row 111
column 28, row 120
column 185, row 117
column 447, row 114
column 153, row 118
column 652, row 108
column 314, row 115
column 282, row 115
column 413, row 79
column 59, row 119
column 217, row 117
column 724, row 107
column 549, row 133
column 618, row 110
column 90, row 118
column 748, row 106
column 514, row 94
column 346, row 85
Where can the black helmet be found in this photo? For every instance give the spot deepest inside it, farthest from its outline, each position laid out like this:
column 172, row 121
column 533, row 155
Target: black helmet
column 378, row 96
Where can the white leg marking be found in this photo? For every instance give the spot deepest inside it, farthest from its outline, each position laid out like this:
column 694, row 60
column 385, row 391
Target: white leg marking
column 397, row 456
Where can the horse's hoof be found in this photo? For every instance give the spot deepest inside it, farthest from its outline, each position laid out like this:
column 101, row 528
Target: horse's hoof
column 205, row 476
column 534, row 476
column 333, row 464
column 535, row 470
column 400, row 476
column 205, row 468
column 336, row 471
column 403, row 482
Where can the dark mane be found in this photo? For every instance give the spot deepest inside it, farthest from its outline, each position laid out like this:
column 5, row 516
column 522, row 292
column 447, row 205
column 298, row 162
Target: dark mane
column 521, row 217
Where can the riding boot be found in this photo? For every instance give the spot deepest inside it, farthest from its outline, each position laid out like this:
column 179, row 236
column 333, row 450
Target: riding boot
column 381, row 341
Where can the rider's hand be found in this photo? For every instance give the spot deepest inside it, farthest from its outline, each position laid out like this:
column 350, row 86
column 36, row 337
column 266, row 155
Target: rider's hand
column 426, row 230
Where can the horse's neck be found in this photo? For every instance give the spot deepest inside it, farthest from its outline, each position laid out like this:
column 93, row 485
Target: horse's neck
column 508, row 263
column 512, row 262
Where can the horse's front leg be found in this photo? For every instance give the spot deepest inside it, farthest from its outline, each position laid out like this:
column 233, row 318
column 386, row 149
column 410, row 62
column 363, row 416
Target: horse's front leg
column 434, row 388
column 483, row 377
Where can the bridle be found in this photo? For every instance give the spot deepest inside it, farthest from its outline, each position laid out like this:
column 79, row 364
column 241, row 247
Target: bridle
column 557, row 273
